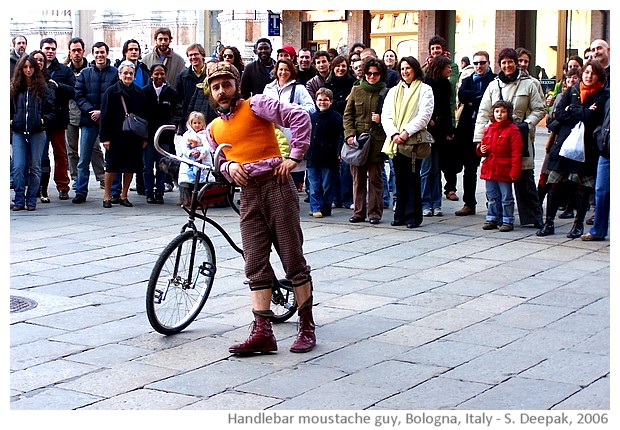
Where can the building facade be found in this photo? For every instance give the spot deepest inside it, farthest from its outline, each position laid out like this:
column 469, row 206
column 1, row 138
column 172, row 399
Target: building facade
column 551, row 35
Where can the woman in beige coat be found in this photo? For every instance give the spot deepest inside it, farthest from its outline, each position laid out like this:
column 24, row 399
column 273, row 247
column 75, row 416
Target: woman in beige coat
column 521, row 90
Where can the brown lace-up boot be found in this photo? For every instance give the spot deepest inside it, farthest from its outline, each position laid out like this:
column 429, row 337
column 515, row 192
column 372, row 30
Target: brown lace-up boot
column 306, row 339
column 261, row 338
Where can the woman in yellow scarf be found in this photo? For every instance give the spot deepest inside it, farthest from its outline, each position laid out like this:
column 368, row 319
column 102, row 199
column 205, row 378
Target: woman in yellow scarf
column 407, row 109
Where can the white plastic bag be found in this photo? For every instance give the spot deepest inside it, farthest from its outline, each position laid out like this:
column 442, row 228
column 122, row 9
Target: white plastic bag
column 573, row 147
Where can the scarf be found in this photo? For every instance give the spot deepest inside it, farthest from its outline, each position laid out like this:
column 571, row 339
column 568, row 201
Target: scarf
column 585, row 91
column 372, row 87
column 508, row 78
column 406, row 100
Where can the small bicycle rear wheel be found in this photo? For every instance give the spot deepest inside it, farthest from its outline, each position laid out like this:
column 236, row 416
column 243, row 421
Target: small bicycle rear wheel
column 180, row 282
column 283, row 300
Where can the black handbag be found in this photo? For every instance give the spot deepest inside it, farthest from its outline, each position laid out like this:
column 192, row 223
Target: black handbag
column 135, row 124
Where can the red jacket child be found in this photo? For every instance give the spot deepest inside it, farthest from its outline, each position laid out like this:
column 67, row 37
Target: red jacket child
column 504, row 150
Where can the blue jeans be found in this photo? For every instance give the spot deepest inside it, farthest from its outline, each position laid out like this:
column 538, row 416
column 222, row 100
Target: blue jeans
column 602, row 199
column 343, row 191
column 150, row 161
column 88, row 138
column 26, row 168
column 430, row 180
column 321, row 189
column 500, row 202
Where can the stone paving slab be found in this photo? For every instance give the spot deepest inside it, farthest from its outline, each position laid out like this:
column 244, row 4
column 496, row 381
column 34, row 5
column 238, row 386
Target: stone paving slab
column 445, row 316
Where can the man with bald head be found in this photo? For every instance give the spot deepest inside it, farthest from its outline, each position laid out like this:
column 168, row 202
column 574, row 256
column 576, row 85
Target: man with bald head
column 600, row 50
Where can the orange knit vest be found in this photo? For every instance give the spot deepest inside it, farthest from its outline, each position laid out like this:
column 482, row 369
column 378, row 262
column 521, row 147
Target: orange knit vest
column 252, row 138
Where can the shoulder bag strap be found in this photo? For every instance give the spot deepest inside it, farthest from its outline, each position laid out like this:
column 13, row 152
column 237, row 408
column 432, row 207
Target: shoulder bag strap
column 124, row 105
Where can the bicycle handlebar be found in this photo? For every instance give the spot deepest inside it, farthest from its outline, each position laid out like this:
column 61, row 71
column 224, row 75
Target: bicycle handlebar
column 216, row 156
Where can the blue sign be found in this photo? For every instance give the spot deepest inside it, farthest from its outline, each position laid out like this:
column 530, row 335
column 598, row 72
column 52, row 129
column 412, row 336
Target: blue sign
column 274, row 24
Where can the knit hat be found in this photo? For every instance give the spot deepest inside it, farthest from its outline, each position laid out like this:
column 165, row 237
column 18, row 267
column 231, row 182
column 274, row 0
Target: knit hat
column 223, row 68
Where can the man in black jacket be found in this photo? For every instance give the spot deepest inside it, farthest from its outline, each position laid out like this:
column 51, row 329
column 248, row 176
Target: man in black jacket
column 77, row 62
column 470, row 94
column 64, row 80
column 260, row 72
column 19, row 48
column 188, row 79
column 89, row 88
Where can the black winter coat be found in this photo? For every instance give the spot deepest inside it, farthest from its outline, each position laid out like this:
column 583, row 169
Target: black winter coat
column 442, row 112
column 341, row 87
column 27, row 112
column 200, row 103
column 65, row 78
column 161, row 110
column 470, row 96
column 90, row 85
column 125, row 152
column 564, row 123
column 186, row 87
column 254, row 78
column 326, row 139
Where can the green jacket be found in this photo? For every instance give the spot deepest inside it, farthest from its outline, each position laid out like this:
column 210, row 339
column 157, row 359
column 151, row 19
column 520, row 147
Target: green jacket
column 357, row 119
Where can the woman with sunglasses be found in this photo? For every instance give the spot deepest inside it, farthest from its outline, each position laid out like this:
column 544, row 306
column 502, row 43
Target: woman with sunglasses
column 363, row 114
column 232, row 55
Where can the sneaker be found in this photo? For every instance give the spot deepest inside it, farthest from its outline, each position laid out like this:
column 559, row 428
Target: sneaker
column 317, row 215
column 352, row 206
column 506, row 227
column 489, row 225
column 63, row 195
column 590, row 237
column 437, row 212
column 466, row 210
column 168, row 187
column 451, row 195
column 427, row 212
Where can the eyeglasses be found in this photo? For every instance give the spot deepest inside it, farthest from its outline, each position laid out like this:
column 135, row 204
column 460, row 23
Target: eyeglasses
column 373, row 73
column 480, row 63
column 228, row 56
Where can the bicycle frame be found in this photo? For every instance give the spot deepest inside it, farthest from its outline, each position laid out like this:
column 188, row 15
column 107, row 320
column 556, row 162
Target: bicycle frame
column 196, row 192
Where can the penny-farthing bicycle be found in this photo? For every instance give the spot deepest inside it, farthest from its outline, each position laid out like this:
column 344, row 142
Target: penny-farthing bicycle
column 183, row 275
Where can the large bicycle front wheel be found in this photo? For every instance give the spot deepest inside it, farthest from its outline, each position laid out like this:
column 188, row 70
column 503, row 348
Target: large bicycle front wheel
column 180, row 282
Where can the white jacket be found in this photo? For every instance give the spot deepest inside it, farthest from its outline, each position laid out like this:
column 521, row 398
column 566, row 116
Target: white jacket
column 420, row 119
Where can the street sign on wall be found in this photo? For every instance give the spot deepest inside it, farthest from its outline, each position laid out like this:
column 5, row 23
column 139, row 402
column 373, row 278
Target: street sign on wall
column 274, row 24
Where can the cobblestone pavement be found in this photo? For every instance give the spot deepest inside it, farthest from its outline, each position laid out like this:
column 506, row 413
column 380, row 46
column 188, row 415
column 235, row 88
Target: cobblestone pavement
column 443, row 317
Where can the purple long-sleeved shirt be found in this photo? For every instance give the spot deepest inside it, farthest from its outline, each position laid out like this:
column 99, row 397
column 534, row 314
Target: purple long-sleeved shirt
column 283, row 114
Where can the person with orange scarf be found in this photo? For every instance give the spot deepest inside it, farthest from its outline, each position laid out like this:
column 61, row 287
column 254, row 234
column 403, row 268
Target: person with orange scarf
column 584, row 103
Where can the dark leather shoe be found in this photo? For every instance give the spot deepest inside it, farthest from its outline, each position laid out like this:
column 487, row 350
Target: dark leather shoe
column 413, row 225
column 18, row 208
column 261, row 339
column 31, row 208
column 107, row 204
column 374, row 220
column 63, row 195
column 159, row 199
column 567, row 214
column 466, row 210
column 590, row 219
column 576, row 231
column 151, row 200
column 126, row 203
column 115, row 200
column 397, row 223
column 355, row 219
column 546, row 230
column 79, row 198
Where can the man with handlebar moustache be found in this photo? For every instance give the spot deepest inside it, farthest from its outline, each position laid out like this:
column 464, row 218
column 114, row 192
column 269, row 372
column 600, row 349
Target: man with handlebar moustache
column 269, row 212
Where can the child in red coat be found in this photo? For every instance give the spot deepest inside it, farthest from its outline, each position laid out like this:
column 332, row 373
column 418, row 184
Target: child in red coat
column 502, row 148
